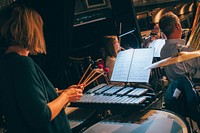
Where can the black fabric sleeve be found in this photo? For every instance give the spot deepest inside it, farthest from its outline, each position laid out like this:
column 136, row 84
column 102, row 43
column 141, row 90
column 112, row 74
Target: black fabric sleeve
column 31, row 95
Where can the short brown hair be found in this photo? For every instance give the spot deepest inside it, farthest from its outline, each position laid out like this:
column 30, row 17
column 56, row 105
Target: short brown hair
column 167, row 23
column 22, row 26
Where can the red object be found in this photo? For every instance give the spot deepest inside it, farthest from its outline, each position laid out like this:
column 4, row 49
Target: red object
column 106, row 69
column 100, row 66
column 100, row 62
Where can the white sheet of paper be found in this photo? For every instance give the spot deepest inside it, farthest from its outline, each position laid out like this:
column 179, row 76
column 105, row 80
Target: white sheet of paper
column 130, row 64
column 157, row 45
column 122, row 65
column 141, row 59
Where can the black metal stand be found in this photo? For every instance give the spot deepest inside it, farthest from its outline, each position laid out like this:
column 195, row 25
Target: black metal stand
column 189, row 78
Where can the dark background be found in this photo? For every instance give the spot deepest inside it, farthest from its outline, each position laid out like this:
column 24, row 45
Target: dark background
column 72, row 29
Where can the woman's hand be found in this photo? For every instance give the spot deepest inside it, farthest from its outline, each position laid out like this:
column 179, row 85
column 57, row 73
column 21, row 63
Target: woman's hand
column 73, row 86
column 74, row 92
column 58, row 91
column 71, row 94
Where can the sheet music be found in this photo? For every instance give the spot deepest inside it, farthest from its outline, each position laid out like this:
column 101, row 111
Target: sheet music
column 141, row 59
column 122, row 64
column 157, row 45
column 130, row 64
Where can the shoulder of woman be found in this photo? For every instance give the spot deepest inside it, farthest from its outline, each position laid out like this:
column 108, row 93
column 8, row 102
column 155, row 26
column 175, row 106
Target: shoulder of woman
column 24, row 61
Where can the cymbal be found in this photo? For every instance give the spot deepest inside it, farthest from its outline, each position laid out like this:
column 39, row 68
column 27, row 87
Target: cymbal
column 183, row 56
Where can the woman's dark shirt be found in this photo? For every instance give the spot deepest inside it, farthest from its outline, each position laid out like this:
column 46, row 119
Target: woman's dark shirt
column 24, row 94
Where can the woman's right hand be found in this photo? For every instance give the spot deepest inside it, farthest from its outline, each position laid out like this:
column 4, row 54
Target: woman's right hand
column 74, row 93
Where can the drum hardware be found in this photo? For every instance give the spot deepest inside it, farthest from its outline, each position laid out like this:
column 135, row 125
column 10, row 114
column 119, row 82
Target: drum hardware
column 150, row 121
column 82, row 118
column 189, row 78
column 157, row 79
column 181, row 57
column 105, row 114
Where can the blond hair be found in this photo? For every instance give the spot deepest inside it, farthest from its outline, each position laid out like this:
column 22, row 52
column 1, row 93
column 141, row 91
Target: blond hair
column 22, row 26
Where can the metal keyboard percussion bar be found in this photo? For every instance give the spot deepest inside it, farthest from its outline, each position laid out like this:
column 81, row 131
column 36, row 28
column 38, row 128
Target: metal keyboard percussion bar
column 137, row 92
column 110, row 96
column 99, row 91
column 95, row 88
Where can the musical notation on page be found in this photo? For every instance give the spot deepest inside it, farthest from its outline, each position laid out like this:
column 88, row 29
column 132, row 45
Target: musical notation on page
column 120, row 71
column 129, row 65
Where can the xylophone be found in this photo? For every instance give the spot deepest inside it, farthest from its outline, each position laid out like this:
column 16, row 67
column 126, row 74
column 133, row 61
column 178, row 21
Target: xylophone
column 112, row 96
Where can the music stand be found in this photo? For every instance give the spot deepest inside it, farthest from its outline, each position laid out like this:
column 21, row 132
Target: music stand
column 157, row 46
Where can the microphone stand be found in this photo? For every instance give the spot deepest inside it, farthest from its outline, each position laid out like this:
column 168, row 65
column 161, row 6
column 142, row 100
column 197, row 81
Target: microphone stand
column 127, row 33
column 189, row 78
column 187, row 74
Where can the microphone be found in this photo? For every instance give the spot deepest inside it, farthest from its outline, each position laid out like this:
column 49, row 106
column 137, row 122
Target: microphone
column 131, row 31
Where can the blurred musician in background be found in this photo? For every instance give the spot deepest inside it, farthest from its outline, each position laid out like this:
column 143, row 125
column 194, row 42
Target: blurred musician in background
column 112, row 47
column 155, row 33
column 150, row 39
column 28, row 101
column 156, row 29
column 171, row 26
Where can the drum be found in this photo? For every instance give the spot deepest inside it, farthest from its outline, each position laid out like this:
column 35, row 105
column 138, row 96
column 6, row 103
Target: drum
column 80, row 118
column 152, row 121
